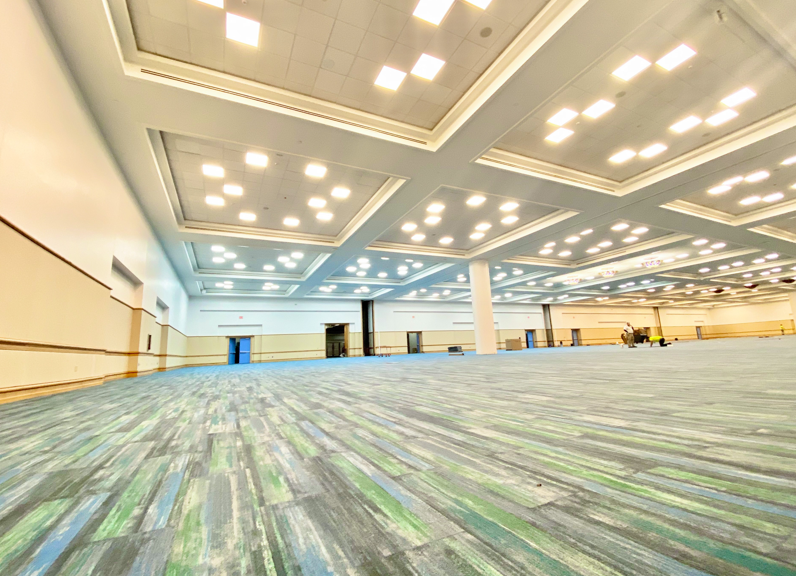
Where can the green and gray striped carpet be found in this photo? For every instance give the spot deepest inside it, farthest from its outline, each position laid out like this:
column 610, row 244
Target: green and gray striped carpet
column 588, row 461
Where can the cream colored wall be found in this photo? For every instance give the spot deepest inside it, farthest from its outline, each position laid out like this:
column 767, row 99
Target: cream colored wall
column 769, row 319
column 597, row 325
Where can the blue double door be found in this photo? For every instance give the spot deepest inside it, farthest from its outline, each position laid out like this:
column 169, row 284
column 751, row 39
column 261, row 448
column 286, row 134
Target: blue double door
column 240, row 350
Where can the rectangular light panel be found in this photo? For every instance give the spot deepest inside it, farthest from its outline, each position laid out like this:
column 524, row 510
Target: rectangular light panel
column 212, row 171
column 315, row 171
column 255, row 159
column 598, row 109
column 739, row 97
column 562, row 117
column 722, row 117
column 479, row 3
column 432, row 10
column 687, row 124
column 427, row 67
column 559, row 135
column 676, row 57
column 243, row 30
column 631, row 68
column 653, row 150
column 390, row 78
column 216, row 3
column 622, row 156
column 233, row 190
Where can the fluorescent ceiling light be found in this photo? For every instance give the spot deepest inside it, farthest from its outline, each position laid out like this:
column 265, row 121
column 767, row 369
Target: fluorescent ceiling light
column 706, row 252
column 409, row 227
column 230, row 255
column 630, row 239
column 619, row 227
column 290, row 264
column 483, row 226
column 549, row 244
column 772, row 256
column 432, row 220
column 479, row 3
column 427, row 67
column 732, row 181
column 736, row 264
column 559, row 135
column 700, row 242
column 364, row 265
column 283, row 259
column 718, row 245
column 390, row 78
column 255, row 159
column 562, row 117
column 704, row 270
column 789, row 161
column 509, row 220
column 640, row 230
column 290, row 221
column 653, row 150
column 572, row 239
column 509, row 206
column 316, row 203
column 239, row 266
column 216, row 3
column 622, row 156
column 719, row 190
column 545, row 251
column 565, row 253
column 212, row 171
column 243, row 30
column 476, row 235
column 445, row 240
column 475, row 200
column 214, row 200
column 324, row 216
column 773, row 197
column 724, row 267
column 363, row 260
column 341, row 192
column 218, row 248
column 605, row 244
column 743, row 95
column 750, row 200
column 315, row 171
column 417, row 265
column 676, row 57
column 722, row 117
column 757, row 176
column 361, row 273
column 432, row 10
column 586, row 232
column 418, row 237
column 233, row 190
column 247, row 216
column 218, row 260
column 686, row 124
column 632, row 67
column 269, row 267
column 436, row 208
column 382, row 274
column 351, row 269
column 598, row 109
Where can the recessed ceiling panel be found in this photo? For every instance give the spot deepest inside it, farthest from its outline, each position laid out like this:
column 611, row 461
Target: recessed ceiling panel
column 375, row 268
column 229, row 258
column 246, row 286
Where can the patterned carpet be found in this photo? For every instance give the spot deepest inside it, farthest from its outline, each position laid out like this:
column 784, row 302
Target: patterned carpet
column 571, row 461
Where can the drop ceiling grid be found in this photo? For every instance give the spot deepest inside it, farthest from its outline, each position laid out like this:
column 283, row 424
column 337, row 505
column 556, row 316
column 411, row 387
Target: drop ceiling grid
column 272, row 193
column 459, row 220
column 729, row 57
column 334, row 49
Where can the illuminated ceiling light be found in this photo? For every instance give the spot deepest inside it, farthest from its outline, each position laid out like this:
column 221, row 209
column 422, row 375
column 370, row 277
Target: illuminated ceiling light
column 750, row 200
column 243, row 30
column 622, row 156
column 219, row 285
column 297, row 255
column 409, row 227
column 315, row 171
column 325, row 216
column 432, row 10
column 233, row 190
column 290, row 221
column 572, row 239
column 212, row 171
column 631, row 68
column 685, row 125
column 361, row 273
column 559, row 135
column 732, row 181
column 417, row 265
column 682, row 255
column 218, row 260
column 418, row 237
column 593, row 250
column 230, row 255
column 772, row 256
column 773, row 197
column 565, row 253
column 269, row 268
column 475, row 200
column 718, row 245
column 776, row 269
column 483, row 226
column 255, row 159
column 619, row 227
column 766, row 273
column 363, row 260
column 630, row 239
column 549, row 244
column 217, row 248
column 545, row 251
column 605, row 244
column 432, row 220
column 789, row 161
column 240, row 265
column 479, row 3
column 562, row 117
column 774, row 281
column 676, row 57
column 216, row 3
column 214, row 200
column 743, row 95
column 508, row 206
column 605, row 288
column 446, row 292
column 436, row 208
column 283, row 259
column 640, row 230
column 364, row 265
column 653, row 150
column 445, row 240
column 476, row 235
column 724, row 267
column 757, row 176
column 758, row 260
column 722, row 117
column 719, row 190
column 704, row 270
column 382, row 274
column 316, row 203
column 737, row 264
column 700, row 242
column 390, row 78
column 598, row 109
column 427, row 67
column 351, row 269
column 341, row 192
column 705, row 252
column 509, row 219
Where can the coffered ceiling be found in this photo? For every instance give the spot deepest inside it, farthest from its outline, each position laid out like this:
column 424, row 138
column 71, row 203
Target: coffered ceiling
column 284, row 163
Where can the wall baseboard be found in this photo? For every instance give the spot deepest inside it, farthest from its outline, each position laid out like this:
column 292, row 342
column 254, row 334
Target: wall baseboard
column 34, row 391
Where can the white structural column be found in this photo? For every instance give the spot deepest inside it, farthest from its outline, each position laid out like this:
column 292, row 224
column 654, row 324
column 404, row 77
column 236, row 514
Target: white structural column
column 481, row 289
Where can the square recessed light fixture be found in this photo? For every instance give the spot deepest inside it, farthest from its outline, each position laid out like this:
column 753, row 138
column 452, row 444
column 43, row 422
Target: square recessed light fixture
column 605, row 244
column 686, row 124
column 324, row 216
column 255, row 159
column 562, row 117
column 436, row 208
column 773, row 197
column 757, row 176
column 750, row 200
column 509, row 219
column 390, row 78
column 559, row 135
column 479, row 3
column 732, row 181
column 722, row 117
column 509, row 206
column 247, row 216
column 719, row 190
column 789, row 161
column 409, row 227
column 445, row 240
column 212, row 171
column 483, row 227
column 243, row 30
column 743, row 95
column 216, row 3
column 676, row 57
column 653, row 150
column 631, row 68
column 315, row 171
column 290, row 221
column 432, row 10
column 622, row 156
column 341, row 193
column 427, row 67
column 432, row 220
column 214, row 200
column 476, row 235
column 418, row 237
column 619, row 227
column 598, row 109
column 233, row 190
column 316, row 203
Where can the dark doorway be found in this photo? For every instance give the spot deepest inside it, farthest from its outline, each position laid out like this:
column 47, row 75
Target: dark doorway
column 576, row 337
column 368, row 333
column 240, row 350
column 530, row 336
column 336, row 341
column 414, row 343
column 699, row 332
